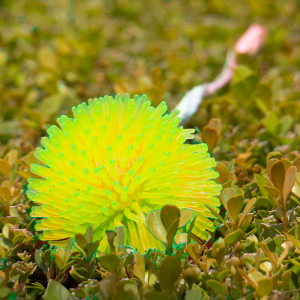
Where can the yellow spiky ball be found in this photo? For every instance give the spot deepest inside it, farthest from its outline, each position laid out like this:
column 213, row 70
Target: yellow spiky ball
column 111, row 164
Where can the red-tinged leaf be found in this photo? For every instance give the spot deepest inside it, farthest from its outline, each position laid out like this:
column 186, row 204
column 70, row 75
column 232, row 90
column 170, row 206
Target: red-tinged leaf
column 210, row 137
column 270, row 163
column 217, row 124
column 286, row 163
column 278, row 175
column 289, row 181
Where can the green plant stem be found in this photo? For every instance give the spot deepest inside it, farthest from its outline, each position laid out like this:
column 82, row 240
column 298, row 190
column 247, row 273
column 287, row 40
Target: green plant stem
column 285, row 292
column 89, row 267
column 149, row 275
column 284, row 218
column 7, row 269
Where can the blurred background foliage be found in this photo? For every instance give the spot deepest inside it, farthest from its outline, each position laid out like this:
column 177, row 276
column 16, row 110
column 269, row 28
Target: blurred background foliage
column 56, row 54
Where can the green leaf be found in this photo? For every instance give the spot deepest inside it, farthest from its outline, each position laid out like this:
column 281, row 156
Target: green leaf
column 289, row 181
column 286, row 124
column 139, row 268
column 271, row 190
column 193, row 294
column 81, row 240
column 5, row 229
column 5, row 167
column 4, row 292
column 261, row 105
column 9, row 219
column 68, row 251
column 217, row 124
column 91, row 248
column 250, row 83
column 232, row 238
column 190, row 229
column 80, row 249
column 119, row 239
column 295, row 262
column 247, row 208
column 181, row 238
column 47, row 256
column 35, row 286
column 264, row 287
column 286, row 163
column 222, row 275
column 131, row 289
column 155, row 226
column 51, row 105
column 194, row 251
column 185, row 216
column 79, row 274
column 296, row 187
column 294, row 241
column 272, row 124
column 13, row 211
column 216, row 286
column 241, row 72
column 110, row 262
column 79, row 292
column 6, row 243
column 260, row 182
column 264, row 202
column 47, row 58
column 220, row 255
column 171, row 233
column 129, row 259
column 169, row 273
column 235, row 205
column 59, row 261
column 56, row 291
column 168, row 214
column 17, row 249
column 39, row 261
column 238, row 90
column 285, row 252
column 286, row 278
column 243, row 87
column 80, row 260
column 218, row 216
column 266, row 266
column 155, row 295
column 61, row 252
column 111, row 238
column 251, row 244
column 278, row 175
column 226, row 194
column 210, row 137
column 89, row 234
column 66, row 266
column 230, row 166
column 274, row 155
column 265, row 93
column 218, row 251
column 268, row 253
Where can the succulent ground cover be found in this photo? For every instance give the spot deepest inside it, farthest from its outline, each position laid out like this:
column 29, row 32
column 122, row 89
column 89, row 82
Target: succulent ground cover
column 56, row 54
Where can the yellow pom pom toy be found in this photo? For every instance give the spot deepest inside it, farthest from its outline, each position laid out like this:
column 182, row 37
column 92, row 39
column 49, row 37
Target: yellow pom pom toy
column 111, row 164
